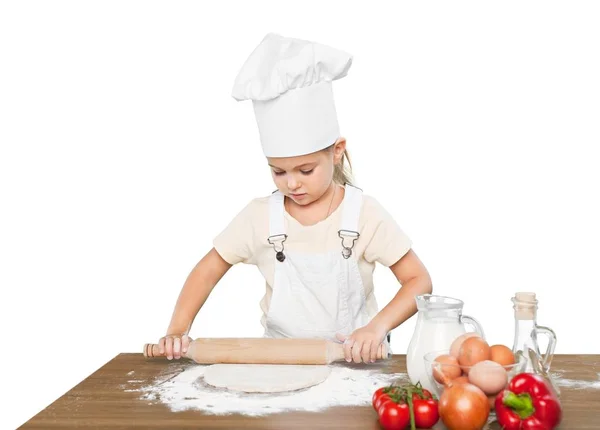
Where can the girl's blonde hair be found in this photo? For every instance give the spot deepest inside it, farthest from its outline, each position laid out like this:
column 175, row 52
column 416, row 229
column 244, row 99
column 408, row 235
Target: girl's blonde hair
column 342, row 172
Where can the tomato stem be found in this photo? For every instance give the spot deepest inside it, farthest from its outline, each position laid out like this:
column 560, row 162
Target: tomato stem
column 411, row 408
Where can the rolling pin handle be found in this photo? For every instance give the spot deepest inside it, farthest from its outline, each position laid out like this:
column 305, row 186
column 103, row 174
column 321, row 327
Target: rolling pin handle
column 335, row 352
column 152, row 350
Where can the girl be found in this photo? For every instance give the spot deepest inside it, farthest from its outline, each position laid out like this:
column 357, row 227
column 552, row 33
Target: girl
column 316, row 239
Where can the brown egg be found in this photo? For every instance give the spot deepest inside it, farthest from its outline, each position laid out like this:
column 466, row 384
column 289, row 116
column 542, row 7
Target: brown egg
column 488, row 376
column 472, row 351
column 460, row 380
column 455, row 347
column 502, row 355
column 492, row 402
column 448, row 369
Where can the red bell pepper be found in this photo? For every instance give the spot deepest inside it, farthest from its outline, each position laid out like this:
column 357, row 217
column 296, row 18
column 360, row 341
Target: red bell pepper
column 528, row 403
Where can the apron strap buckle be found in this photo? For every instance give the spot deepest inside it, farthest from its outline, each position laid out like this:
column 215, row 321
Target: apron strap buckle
column 347, row 250
column 277, row 242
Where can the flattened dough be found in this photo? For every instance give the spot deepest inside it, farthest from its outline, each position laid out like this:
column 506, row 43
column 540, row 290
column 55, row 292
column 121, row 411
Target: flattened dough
column 265, row 378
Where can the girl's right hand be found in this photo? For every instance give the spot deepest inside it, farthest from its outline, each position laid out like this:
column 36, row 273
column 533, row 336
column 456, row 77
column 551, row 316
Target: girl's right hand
column 174, row 345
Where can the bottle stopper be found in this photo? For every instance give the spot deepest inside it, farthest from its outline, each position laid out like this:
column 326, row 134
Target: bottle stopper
column 525, row 305
column 526, row 298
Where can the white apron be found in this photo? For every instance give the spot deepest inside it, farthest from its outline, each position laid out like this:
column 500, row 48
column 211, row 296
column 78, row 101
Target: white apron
column 316, row 295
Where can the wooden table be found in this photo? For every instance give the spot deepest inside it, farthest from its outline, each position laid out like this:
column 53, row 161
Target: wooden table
column 102, row 401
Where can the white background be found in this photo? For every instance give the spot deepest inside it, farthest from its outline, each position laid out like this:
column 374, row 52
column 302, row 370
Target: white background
column 123, row 154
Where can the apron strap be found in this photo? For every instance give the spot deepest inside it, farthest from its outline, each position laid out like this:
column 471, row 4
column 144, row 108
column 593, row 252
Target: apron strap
column 276, row 217
column 276, row 224
column 351, row 210
column 350, row 216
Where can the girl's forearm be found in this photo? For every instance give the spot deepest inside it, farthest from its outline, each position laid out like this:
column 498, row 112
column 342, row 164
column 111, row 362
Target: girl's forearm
column 193, row 295
column 196, row 289
column 403, row 305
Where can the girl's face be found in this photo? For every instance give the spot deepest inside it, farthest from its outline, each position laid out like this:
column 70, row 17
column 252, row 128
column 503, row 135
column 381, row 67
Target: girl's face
column 306, row 178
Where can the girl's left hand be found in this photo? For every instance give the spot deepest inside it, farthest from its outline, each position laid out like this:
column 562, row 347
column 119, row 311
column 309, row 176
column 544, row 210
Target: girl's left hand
column 364, row 344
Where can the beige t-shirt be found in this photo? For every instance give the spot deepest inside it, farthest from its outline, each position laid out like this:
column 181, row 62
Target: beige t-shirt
column 245, row 240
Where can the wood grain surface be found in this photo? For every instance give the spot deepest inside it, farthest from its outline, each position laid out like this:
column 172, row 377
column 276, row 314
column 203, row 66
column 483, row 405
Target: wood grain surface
column 102, row 401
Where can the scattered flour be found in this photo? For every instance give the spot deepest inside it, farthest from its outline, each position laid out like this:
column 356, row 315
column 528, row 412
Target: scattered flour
column 345, row 386
column 576, row 383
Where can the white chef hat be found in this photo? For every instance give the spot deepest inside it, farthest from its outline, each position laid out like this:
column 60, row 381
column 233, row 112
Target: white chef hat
column 289, row 83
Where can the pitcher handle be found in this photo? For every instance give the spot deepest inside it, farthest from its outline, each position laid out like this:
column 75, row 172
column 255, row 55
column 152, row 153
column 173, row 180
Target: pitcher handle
column 473, row 322
column 549, row 333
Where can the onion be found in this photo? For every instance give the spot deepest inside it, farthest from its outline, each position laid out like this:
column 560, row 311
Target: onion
column 463, row 406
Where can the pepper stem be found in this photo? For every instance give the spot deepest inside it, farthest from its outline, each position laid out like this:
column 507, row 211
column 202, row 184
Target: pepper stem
column 521, row 404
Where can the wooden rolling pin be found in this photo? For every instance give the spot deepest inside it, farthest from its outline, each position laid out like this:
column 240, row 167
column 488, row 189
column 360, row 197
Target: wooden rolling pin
column 262, row 351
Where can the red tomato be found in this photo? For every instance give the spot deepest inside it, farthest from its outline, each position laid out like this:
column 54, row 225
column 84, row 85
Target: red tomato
column 394, row 416
column 381, row 400
column 426, row 395
column 376, row 395
column 426, row 413
column 382, row 394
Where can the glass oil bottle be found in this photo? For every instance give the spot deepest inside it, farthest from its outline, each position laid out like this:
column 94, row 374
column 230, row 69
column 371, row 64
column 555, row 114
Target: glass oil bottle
column 527, row 331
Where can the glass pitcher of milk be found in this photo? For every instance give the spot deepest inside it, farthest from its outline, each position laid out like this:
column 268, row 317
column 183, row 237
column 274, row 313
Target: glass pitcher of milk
column 439, row 322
